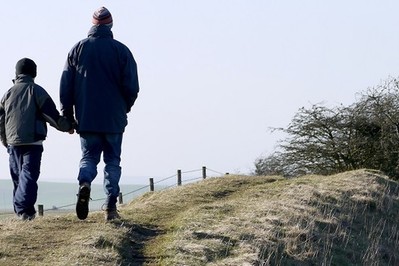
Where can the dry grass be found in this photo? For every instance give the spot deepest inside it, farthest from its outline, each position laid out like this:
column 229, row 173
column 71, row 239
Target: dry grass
column 345, row 219
column 62, row 240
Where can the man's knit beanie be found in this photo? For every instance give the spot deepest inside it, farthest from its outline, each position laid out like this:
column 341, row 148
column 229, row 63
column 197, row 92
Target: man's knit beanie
column 102, row 16
column 26, row 66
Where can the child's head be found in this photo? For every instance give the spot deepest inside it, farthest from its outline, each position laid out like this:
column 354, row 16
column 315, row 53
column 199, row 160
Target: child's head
column 26, row 66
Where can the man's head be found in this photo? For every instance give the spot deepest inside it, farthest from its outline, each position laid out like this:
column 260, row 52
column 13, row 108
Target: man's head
column 102, row 16
column 26, row 66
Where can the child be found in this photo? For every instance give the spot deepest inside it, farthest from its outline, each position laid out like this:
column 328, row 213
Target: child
column 24, row 111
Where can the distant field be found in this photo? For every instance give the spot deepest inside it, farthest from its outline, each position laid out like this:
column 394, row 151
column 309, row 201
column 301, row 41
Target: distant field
column 59, row 195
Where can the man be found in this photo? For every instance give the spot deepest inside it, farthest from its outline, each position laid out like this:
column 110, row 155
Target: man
column 24, row 111
column 99, row 86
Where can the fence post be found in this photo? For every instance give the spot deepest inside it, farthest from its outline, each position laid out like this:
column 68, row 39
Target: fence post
column 179, row 177
column 203, row 172
column 151, row 184
column 40, row 209
column 120, row 198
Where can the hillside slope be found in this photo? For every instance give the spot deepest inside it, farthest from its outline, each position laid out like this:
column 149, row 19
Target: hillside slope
column 345, row 219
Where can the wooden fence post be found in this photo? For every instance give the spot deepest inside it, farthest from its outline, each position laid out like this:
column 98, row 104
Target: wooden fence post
column 151, row 184
column 179, row 177
column 40, row 209
column 203, row 172
column 120, row 198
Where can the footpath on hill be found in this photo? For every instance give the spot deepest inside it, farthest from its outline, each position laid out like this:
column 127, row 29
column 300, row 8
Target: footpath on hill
column 344, row 219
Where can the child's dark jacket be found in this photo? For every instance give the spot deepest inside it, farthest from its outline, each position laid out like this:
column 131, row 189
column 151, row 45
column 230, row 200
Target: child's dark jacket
column 24, row 110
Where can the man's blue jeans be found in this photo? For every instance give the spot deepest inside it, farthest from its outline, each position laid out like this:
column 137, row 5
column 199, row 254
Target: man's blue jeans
column 25, row 170
column 110, row 145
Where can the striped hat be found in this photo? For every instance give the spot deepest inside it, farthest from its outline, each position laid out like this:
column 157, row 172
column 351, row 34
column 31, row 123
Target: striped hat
column 102, row 16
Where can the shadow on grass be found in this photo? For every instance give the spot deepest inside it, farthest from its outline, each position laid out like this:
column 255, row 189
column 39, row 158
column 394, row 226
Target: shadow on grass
column 132, row 248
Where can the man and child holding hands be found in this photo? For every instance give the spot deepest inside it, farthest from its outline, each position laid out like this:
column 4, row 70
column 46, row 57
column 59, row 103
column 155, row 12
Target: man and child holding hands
column 98, row 88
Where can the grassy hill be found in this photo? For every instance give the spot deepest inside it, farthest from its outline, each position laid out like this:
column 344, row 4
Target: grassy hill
column 346, row 219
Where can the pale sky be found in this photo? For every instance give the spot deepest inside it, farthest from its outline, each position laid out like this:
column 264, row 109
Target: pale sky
column 214, row 75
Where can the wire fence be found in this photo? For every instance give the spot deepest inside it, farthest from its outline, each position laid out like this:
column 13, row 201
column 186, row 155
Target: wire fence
column 139, row 191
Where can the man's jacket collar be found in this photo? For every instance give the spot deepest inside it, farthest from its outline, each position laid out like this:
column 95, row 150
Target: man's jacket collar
column 100, row 31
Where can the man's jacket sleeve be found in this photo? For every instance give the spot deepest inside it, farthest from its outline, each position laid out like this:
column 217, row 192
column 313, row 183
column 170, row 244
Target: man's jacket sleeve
column 67, row 90
column 130, row 81
column 3, row 125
